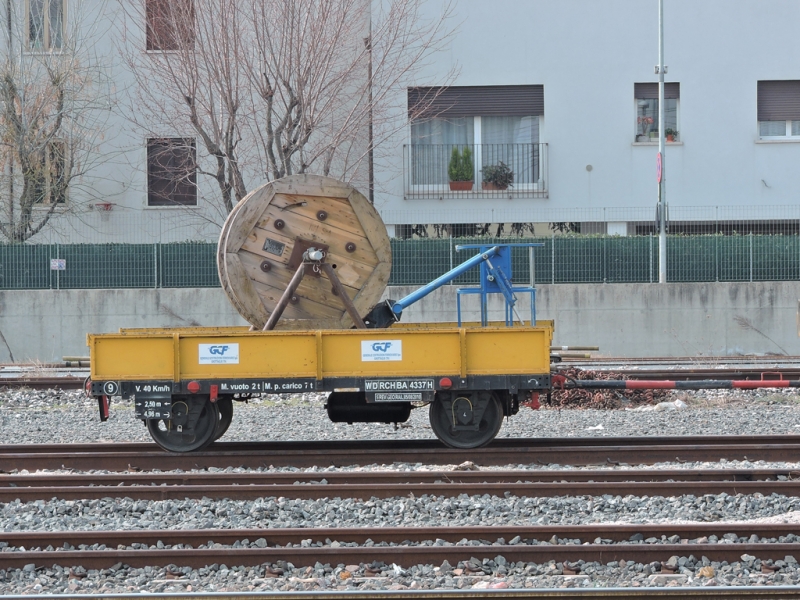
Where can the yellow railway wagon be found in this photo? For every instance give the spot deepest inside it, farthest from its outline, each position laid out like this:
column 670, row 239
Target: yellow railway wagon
column 184, row 381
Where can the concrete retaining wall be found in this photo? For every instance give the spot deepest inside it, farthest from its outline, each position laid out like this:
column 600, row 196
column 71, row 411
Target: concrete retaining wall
column 623, row 319
column 45, row 325
column 674, row 319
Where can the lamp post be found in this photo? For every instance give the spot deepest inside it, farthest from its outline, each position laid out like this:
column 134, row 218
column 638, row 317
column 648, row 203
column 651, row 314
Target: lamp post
column 662, row 201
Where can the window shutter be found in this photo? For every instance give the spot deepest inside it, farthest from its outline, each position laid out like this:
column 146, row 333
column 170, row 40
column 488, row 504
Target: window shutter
column 475, row 101
column 650, row 90
column 779, row 100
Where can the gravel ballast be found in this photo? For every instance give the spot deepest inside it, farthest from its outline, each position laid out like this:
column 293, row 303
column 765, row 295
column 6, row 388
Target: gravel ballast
column 494, row 573
column 50, row 416
column 405, row 511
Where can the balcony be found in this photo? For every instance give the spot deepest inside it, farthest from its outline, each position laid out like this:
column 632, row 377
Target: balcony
column 425, row 170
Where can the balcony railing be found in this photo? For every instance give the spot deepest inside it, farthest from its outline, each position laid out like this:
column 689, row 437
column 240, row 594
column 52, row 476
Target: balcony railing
column 425, row 170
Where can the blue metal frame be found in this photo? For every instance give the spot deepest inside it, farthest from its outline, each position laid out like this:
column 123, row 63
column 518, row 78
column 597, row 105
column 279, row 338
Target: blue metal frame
column 397, row 307
column 496, row 277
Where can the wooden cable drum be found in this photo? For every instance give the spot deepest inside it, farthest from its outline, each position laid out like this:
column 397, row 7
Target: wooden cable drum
column 262, row 242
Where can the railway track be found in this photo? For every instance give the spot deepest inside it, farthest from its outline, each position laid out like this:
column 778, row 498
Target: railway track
column 565, row 451
column 44, row 383
column 400, row 545
column 389, row 484
column 381, row 546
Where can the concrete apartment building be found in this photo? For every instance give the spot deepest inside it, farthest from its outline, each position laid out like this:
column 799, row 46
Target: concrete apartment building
column 565, row 91
column 562, row 91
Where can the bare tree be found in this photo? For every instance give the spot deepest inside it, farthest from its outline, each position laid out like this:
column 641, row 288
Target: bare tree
column 53, row 99
column 276, row 87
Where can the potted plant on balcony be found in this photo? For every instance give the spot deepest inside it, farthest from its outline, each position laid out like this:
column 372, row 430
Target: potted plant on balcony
column 460, row 170
column 671, row 134
column 497, row 177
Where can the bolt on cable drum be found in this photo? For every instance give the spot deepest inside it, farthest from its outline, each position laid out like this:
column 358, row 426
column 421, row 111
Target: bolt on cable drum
column 319, row 222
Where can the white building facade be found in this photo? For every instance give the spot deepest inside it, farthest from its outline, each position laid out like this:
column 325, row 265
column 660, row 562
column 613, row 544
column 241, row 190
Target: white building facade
column 564, row 92
column 561, row 92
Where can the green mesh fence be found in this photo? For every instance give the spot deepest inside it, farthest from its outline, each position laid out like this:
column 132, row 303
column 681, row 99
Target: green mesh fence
column 562, row 259
column 611, row 259
column 92, row 266
column 191, row 264
column 106, row 266
column 24, row 267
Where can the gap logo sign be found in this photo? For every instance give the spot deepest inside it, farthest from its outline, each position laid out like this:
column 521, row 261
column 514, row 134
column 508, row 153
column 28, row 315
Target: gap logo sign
column 381, row 350
column 222, row 353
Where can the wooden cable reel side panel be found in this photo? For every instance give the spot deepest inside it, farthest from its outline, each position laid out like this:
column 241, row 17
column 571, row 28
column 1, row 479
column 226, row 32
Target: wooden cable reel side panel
column 262, row 241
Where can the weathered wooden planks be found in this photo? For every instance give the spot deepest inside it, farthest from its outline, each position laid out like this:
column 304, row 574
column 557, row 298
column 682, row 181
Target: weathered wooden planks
column 260, row 234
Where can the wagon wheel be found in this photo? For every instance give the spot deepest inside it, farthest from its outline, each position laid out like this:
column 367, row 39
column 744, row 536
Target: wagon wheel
column 225, row 407
column 447, row 411
column 192, row 426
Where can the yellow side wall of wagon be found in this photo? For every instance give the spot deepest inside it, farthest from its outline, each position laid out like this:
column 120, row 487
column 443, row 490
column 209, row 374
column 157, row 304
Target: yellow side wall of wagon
column 173, row 354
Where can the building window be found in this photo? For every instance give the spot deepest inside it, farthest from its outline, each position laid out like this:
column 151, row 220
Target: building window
column 49, row 180
column 46, row 24
column 171, row 172
column 169, row 24
column 499, row 124
column 646, row 98
column 779, row 109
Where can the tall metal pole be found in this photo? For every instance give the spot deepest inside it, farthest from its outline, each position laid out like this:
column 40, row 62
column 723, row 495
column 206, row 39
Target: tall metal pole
column 370, row 131
column 662, row 202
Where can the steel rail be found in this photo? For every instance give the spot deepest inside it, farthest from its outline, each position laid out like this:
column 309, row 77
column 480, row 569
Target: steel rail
column 565, row 451
column 692, row 360
column 719, row 593
column 365, row 490
column 280, row 536
column 48, row 479
column 405, row 444
column 633, row 593
column 681, row 384
column 278, row 541
column 702, row 374
column 43, row 383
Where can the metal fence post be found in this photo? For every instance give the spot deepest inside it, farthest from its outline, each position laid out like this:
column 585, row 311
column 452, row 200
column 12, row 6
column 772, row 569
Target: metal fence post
column 650, row 262
column 531, row 267
column 605, row 257
column 155, row 265
column 751, row 257
column 58, row 273
column 451, row 257
column 716, row 244
column 553, row 258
